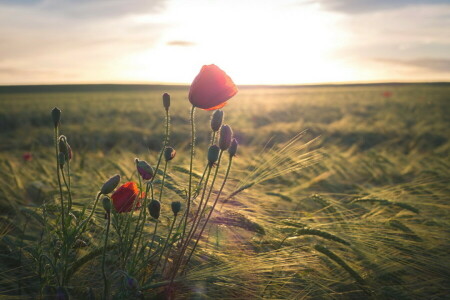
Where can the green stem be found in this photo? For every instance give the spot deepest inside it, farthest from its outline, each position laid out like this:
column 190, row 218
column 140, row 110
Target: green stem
column 59, row 184
column 211, row 211
column 69, row 188
column 149, row 184
column 166, row 141
column 162, row 181
column 105, row 280
column 209, row 194
column 165, row 244
column 190, row 171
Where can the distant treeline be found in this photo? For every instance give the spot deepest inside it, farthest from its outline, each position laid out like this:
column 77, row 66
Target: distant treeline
column 64, row 88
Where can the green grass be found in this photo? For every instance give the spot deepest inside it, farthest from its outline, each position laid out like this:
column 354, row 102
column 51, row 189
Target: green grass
column 361, row 211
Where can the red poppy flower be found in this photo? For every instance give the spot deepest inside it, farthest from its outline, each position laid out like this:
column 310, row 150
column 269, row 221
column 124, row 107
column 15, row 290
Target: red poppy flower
column 27, row 156
column 211, row 88
column 125, row 196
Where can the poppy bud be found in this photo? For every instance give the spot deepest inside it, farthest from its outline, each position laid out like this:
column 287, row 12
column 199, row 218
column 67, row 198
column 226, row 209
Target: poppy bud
column 154, row 208
column 131, row 283
column 176, row 207
column 216, row 120
column 166, row 101
column 110, row 184
column 107, row 204
column 144, row 169
column 56, row 116
column 233, row 148
column 61, row 294
column 61, row 159
column 226, row 135
column 63, row 146
column 213, row 154
column 169, row 153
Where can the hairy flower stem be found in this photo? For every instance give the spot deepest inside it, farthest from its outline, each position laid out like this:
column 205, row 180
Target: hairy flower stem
column 166, row 141
column 188, row 206
column 210, row 212
column 165, row 245
column 162, row 181
column 105, row 280
column 67, row 184
column 69, row 188
column 201, row 210
column 140, row 225
column 213, row 138
column 196, row 217
column 82, row 227
column 63, row 224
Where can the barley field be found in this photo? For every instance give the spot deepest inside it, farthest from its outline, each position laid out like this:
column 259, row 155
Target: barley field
column 336, row 192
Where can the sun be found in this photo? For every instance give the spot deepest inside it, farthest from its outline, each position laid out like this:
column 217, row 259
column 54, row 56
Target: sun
column 257, row 44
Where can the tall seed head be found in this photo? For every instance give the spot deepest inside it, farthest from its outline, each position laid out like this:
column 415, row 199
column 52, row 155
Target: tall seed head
column 233, row 148
column 110, row 184
column 166, row 101
column 216, row 120
column 226, row 134
column 213, row 154
column 56, row 116
column 176, row 207
column 154, row 208
column 169, row 153
column 145, row 170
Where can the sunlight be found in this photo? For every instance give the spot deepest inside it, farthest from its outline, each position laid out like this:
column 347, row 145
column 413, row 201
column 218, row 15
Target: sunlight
column 243, row 42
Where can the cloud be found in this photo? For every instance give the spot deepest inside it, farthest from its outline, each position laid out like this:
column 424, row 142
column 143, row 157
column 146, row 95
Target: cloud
column 368, row 6
column 90, row 8
column 180, row 43
column 441, row 65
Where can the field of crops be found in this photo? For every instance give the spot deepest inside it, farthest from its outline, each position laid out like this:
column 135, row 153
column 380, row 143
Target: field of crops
column 337, row 192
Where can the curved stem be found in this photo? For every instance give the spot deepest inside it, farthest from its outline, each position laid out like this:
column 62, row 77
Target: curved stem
column 141, row 227
column 211, row 211
column 69, row 188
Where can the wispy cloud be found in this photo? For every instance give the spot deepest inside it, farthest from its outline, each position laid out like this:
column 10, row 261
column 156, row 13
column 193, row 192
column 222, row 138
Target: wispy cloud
column 368, row 6
column 180, row 43
column 432, row 64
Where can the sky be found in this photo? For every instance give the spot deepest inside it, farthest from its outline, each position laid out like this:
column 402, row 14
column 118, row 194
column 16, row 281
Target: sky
column 254, row 41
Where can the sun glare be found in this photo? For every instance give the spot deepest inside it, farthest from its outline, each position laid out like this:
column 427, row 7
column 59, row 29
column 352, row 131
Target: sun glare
column 256, row 44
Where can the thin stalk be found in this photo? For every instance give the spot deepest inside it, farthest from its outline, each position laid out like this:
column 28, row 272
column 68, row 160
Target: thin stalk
column 162, row 181
column 166, row 141
column 197, row 188
column 211, row 211
column 190, row 171
column 165, row 244
column 149, row 184
column 59, row 184
column 105, row 280
column 69, row 188
column 213, row 137
column 67, row 184
column 209, row 195
column 83, row 224
column 191, row 232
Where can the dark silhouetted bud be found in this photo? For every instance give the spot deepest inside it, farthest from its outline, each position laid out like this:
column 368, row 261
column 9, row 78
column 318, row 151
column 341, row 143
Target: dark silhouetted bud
column 56, row 116
column 145, row 170
column 166, row 101
column 110, row 184
column 176, row 207
column 226, row 135
column 233, row 148
column 213, row 154
column 106, row 204
column 216, row 120
column 61, row 159
column 169, row 153
column 131, row 283
column 154, row 208
column 61, row 294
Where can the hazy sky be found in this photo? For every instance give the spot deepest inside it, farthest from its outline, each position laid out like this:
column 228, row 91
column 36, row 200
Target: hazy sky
column 254, row 41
